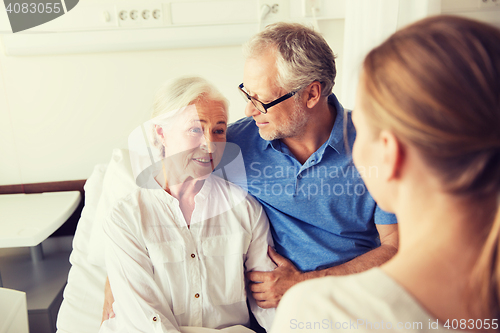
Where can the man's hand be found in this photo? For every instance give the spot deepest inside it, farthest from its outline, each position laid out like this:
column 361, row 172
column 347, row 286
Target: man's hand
column 107, row 309
column 268, row 287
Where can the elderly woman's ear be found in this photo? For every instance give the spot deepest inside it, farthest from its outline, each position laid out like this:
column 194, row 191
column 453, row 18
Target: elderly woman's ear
column 159, row 132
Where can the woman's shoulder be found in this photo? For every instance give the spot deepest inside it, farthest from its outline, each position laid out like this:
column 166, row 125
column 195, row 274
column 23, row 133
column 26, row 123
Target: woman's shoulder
column 314, row 304
column 133, row 199
column 355, row 285
column 365, row 301
column 130, row 207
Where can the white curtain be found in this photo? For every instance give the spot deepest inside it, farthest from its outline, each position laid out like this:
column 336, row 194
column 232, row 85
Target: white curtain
column 367, row 24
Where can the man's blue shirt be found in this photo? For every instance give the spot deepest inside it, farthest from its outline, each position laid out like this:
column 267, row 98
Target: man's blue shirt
column 321, row 213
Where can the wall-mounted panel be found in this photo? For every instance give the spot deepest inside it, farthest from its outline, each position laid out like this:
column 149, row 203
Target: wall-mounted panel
column 213, row 12
column 116, row 25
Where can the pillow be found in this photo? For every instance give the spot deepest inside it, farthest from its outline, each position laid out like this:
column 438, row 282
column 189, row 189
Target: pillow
column 117, row 183
column 81, row 309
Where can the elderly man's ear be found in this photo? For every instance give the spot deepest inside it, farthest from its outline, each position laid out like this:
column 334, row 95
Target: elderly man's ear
column 312, row 94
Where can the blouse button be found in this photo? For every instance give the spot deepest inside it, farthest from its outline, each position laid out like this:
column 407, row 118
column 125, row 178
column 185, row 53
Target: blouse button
column 155, row 319
column 197, row 295
column 193, row 255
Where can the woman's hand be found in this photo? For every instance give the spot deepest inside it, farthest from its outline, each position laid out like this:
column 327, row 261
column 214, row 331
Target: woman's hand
column 107, row 309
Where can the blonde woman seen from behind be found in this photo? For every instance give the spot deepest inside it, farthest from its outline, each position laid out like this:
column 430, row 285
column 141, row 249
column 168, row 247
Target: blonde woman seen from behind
column 427, row 118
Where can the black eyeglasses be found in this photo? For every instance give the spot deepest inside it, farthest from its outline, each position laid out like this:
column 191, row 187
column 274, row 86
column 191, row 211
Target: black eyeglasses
column 262, row 107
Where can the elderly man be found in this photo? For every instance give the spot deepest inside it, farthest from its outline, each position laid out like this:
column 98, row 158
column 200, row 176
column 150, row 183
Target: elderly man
column 298, row 165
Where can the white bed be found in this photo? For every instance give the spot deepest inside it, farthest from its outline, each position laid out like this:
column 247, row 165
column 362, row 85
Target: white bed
column 81, row 309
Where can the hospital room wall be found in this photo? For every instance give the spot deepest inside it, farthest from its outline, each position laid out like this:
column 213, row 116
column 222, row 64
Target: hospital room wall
column 62, row 114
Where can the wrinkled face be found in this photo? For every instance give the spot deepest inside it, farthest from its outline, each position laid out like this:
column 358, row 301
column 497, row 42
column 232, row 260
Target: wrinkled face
column 195, row 142
column 286, row 119
column 367, row 151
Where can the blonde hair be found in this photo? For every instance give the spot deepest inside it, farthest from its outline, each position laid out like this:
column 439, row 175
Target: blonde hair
column 302, row 55
column 173, row 97
column 436, row 85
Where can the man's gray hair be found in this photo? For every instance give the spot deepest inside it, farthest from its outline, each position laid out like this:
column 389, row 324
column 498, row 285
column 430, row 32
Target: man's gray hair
column 302, row 55
column 173, row 97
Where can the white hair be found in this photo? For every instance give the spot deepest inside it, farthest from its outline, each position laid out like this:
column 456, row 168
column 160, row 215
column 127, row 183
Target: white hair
column 174, row 96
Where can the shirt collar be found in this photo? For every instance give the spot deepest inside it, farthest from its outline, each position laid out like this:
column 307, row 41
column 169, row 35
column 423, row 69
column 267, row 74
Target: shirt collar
column 336, row 139
column 264, row 144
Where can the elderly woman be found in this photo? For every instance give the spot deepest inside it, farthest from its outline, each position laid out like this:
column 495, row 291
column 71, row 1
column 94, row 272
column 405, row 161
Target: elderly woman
column 428, row 117
column 179, row 248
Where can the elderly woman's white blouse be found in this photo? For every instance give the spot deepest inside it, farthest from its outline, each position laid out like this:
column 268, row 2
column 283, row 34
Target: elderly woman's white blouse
column 164, row 275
